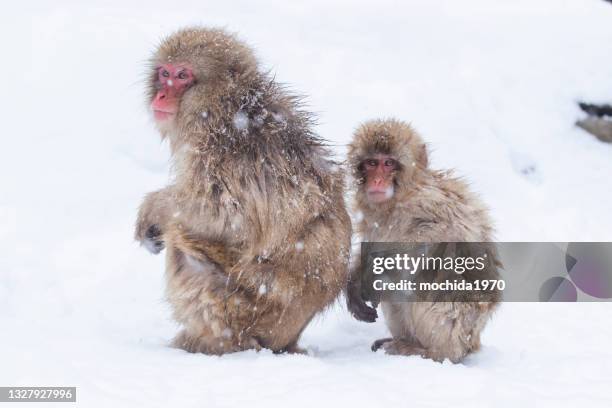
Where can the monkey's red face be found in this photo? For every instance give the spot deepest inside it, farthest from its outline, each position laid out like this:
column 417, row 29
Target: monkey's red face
column 171, row 83
column 379, row 172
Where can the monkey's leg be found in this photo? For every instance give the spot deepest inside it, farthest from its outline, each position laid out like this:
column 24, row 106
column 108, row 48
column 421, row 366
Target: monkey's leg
column 215, row 316
column 449, row 330
column 205, row 250
column 280, row 327
column 293, row 348
column 402, row 342
column 297, row 284
column 220, row 315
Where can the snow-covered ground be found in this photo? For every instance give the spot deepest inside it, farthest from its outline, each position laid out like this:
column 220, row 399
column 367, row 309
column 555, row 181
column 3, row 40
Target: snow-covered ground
column 492, row 86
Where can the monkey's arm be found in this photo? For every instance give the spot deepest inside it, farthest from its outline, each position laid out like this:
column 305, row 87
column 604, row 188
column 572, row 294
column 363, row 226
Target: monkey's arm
column 354, row 302
column 152, row 219
column 209, row 250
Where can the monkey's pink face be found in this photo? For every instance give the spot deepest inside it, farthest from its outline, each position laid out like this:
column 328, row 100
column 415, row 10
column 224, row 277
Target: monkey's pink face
column 379, row 172
column 171, row 83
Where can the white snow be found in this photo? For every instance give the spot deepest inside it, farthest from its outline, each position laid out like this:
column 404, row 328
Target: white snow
column 492, row 87
column 279, row 117
column 241, row 120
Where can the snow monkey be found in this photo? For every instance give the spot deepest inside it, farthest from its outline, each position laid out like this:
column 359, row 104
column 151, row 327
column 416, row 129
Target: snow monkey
column 402, row 200
column 255, row 227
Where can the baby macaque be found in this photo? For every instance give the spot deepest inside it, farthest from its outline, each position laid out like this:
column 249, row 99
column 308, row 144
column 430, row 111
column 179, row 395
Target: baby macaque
column 402, row 200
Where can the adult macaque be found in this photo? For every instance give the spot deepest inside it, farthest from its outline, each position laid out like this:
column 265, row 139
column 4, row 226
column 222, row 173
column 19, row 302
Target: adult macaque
column 255, row 226
column 402, row 200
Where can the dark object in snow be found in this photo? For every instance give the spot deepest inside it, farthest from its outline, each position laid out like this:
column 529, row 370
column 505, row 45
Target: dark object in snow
column 597, row 123
column 596, row 110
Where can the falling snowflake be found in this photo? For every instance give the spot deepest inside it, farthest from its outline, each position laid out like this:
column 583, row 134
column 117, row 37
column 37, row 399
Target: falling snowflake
column 241, row 120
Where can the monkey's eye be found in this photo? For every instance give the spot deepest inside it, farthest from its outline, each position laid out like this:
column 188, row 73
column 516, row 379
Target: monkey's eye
column 390, row 163
column 182, row 75
column 372, row 162
column 165, row 73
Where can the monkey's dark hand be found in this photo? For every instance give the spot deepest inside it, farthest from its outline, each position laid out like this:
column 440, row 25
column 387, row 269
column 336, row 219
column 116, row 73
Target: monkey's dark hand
column 153, row 239
column 357, row 306
column 153, row 218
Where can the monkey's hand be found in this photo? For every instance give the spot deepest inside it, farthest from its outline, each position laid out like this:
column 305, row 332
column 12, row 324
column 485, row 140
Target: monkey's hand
column 151, row 221
column 153, row 239
column 149, row 235
column 357, row 306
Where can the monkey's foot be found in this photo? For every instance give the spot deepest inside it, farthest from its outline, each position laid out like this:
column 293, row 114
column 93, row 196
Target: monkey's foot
column 380, row 342
column 292, row 349
column 400, row 347
column 212, row 345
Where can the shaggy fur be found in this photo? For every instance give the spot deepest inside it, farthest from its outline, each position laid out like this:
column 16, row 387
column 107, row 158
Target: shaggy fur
column 255, row 225
column 428, row 206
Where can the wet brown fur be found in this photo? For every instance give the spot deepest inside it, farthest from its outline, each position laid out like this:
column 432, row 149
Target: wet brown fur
column 255, row 225
column 428, row 206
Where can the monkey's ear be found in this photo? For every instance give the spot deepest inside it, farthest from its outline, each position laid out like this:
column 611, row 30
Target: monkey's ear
column 422, row 157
